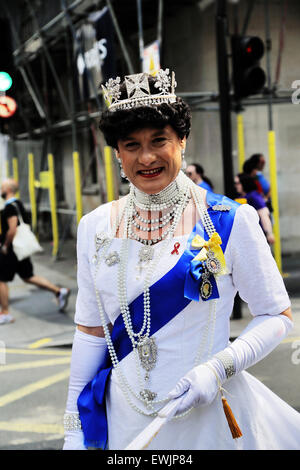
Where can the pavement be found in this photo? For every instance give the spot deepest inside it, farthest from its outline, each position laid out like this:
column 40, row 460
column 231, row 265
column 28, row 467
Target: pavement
column 39, row 324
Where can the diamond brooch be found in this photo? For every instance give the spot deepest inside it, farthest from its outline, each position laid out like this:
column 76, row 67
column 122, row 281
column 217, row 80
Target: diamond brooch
column 112, row 258
column 221, row 207
column 100, row 239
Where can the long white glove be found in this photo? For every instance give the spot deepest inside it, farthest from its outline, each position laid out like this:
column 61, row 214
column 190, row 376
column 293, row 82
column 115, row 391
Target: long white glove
column 261, row 336
column 87, row 355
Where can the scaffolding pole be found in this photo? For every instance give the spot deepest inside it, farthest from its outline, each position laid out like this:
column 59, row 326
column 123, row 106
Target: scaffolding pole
column 224, row 96
column 120, row 37
column 140, row 30
column 272, row 149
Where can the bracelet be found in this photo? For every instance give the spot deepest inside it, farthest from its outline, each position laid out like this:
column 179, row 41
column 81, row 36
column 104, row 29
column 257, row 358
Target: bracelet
column 72, row 422
column 227, row 361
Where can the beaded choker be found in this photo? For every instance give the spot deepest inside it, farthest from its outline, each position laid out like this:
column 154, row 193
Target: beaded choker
column 168, row 197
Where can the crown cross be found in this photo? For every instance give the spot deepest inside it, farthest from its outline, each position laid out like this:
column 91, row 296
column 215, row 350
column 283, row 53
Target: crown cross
column 135, row 84
column 138, row 90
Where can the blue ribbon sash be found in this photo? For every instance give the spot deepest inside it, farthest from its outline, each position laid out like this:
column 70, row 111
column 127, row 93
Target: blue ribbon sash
column 170, row 295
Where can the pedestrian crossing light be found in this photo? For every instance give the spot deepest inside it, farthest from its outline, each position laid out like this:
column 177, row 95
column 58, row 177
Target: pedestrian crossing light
column 248, row 77
column 5, row 81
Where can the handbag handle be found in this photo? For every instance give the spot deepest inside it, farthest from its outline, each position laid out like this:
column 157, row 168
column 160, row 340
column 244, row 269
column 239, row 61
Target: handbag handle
column 19, row 213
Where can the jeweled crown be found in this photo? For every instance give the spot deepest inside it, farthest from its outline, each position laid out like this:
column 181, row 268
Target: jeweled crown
column 138, row 90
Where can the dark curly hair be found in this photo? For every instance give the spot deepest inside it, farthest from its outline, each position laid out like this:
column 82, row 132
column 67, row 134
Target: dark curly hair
column 119, row 124
column 247, row 182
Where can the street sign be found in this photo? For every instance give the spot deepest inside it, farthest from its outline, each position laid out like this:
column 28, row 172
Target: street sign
column 8, row 106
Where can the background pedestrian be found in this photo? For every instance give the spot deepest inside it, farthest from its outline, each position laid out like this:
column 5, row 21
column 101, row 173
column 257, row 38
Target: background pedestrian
column 245, row 186
column 197, row 175
column 9, row 264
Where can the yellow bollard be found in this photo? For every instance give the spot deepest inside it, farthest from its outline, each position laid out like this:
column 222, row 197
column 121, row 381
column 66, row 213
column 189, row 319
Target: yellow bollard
column 274, row 197
column 77, row 179
column 109, row 173
column 31, row 188
column 240, row 141
column 52, row 198
column 16, row 173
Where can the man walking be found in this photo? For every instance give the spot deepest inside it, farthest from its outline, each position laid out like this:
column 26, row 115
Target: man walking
column 9, row 264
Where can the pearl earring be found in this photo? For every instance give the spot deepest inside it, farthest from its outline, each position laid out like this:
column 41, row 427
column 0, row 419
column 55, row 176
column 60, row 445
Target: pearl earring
column 122, row 173
column 183, row 161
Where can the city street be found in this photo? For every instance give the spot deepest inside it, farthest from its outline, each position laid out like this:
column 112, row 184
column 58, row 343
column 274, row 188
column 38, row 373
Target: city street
column 35, row 358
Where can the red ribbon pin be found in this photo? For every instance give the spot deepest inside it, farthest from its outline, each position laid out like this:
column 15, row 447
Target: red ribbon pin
column 175, row 251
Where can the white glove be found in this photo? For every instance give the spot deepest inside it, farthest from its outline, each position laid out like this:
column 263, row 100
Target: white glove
column 199, row 386
column 74, row 441
column 260, row 337
column 88, row 352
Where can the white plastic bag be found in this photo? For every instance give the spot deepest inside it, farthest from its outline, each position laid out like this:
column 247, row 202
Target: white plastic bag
column 24, row 243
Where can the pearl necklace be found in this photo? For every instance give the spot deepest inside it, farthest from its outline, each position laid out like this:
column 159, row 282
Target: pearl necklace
column 175, row 196
column 167, row 216
column 143, row 335
column 145, row 329
column 168, row 197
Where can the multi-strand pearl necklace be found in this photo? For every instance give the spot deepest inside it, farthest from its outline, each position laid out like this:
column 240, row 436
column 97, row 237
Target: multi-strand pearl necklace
column 139, row 338
column 166, row 198
column 174, row 197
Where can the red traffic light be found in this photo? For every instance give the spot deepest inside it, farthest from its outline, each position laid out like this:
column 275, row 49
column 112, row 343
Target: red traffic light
column 248, row 77
column 251, row 48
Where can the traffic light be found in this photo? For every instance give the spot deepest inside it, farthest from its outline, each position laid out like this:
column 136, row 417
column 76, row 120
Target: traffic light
column 248, row 77
column 8, row 105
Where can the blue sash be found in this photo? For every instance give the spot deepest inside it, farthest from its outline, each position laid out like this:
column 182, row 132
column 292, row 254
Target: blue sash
column 168, row 296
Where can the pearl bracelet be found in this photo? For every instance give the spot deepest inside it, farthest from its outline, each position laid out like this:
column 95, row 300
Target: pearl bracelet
column 72, row 422
column 227, row 361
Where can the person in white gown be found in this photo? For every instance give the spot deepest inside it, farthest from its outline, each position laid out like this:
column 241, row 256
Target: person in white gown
column 158, row 271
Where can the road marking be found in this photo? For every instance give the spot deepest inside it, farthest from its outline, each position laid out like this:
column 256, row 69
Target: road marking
column 291, row 340
column 33, row 387
column 39, row 343
column 40, row 352
column 34, row 364
column 19, row 426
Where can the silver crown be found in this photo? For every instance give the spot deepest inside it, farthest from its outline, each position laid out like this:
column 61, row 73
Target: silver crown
column 138, row 91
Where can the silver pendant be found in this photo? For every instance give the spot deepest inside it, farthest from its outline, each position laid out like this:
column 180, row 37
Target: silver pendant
column 146, row 253
column 206, row 286
column 147, row 350
column 112, row 258
column 206, row 289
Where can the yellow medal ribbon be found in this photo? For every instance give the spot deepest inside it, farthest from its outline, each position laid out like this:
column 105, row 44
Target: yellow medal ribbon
column 213, row 244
